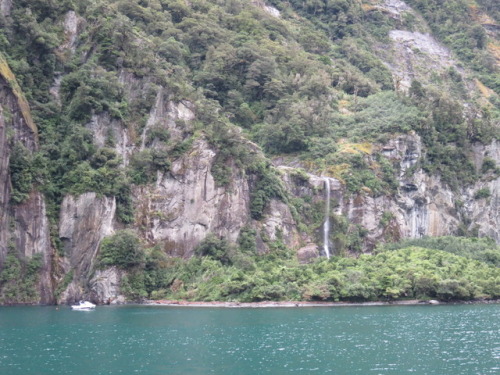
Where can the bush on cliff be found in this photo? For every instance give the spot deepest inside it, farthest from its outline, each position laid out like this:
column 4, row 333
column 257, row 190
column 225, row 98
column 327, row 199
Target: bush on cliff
column 122, row 250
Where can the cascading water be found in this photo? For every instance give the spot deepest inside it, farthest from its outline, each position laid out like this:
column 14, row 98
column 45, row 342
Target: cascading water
column 326, row 224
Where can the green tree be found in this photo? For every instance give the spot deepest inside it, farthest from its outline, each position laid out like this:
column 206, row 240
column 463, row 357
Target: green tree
column 123, row 250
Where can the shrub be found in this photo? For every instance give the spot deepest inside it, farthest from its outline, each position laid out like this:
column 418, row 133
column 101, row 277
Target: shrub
column 215, row 248
column 488, row 164
column 21, row 176
column 267, row 187
column 122, row 250
column 19, row 278
column 144, row 164
column 482, row 193
column 246, row 240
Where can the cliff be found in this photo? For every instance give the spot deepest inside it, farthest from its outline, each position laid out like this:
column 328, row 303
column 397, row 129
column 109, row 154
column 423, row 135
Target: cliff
column 24, row 228
column 180, row 134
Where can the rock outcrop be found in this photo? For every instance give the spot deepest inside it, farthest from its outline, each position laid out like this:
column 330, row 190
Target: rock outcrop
column 423, row 206
column 84, row 222
column 25, row 225
column 185, row 205
column 4, row 187
column 484, row 213
column 105, row 287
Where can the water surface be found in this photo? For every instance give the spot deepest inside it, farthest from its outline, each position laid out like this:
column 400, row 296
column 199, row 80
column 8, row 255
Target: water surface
column 441, row 340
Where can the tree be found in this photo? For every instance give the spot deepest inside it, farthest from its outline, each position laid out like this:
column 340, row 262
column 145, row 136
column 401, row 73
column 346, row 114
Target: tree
column 122, row 250
column 215, row 248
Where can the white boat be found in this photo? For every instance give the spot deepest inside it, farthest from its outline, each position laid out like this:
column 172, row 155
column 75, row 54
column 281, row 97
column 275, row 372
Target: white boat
column 83, row 305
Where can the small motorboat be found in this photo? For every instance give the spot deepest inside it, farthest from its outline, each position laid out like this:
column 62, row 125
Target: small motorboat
column 84, row 306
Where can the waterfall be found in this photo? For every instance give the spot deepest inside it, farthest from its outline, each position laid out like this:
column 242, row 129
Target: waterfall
column 326, row 224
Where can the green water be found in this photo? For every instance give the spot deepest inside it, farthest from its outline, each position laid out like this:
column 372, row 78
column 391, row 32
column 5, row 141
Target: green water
column 441, row 340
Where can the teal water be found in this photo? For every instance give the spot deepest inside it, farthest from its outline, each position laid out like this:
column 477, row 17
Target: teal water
column 441, row 340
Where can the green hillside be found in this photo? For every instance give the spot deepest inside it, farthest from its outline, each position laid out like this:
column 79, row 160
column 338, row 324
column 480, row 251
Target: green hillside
column 317, row 84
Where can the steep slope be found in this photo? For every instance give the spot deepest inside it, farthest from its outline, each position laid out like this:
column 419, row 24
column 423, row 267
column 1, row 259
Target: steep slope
column 208, row 128
column 24, row 228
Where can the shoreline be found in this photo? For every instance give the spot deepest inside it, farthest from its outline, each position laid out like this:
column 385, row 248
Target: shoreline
column 271, row 304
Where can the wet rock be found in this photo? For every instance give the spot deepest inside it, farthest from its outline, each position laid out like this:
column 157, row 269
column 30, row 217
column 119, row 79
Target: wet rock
column 105, row 287
column 308, row 253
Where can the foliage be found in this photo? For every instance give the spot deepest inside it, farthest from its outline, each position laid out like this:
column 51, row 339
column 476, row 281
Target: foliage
column 279, row 79
column 489, row 165
column 247, row 240
column 345, row 237
column 144, row 164
column 215, row 248
column 19, row 278
column 21, row 173
column 482, row 193
column 482, row 249
column 91, row 90
column 384, row 113
column 266, row 187
column 122, row 250
column 308, row 84
column 410, row 272
column 446, row 268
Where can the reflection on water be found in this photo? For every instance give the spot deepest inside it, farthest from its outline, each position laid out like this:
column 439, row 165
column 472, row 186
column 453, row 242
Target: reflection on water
column 437, row 340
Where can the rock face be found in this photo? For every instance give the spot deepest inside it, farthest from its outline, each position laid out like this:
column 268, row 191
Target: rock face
column 424, row 206
column 279, row 224
column 165, row 114
column 32, row 234
column 308, row 253
column 25, row 225
column 4, row 186
column 186, row 205
column 485, row 213
column 417, row 51
column 84, row 222
column 414, row 54
column 272, row 11
column 71, row 25
column 105, row 286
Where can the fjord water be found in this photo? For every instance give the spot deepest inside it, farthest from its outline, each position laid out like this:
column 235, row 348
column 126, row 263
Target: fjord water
column 441, row 340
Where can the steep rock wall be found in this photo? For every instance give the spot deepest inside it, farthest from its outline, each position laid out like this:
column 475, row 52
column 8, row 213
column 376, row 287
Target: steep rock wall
column 84, row 221
column 32, row 236
column 185, row 205
column 423, row 206
column 485, row 213
column 24, row 225
column 4, row 186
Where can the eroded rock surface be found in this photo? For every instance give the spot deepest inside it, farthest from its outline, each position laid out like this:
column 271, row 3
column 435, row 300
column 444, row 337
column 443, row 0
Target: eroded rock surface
column 185, row 205
column 85, row 220
column 105, row 287
column 23, row 225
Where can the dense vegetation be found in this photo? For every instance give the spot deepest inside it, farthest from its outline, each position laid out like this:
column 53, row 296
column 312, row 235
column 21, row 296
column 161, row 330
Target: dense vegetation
column 310, row 85
column 222, row 272
column 280, row 79
column 18, row 279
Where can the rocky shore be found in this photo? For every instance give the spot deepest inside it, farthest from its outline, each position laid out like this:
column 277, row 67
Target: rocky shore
column 265, row 304
column 284, row 303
